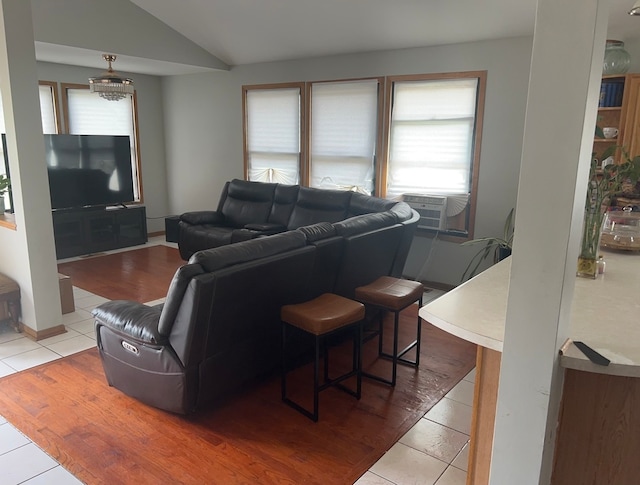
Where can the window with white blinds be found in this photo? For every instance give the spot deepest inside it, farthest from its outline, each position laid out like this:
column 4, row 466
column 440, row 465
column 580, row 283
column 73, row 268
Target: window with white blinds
column 89, row 114
column 343, row 134
column 387, row 136
column 272, row 134
column 431, row 136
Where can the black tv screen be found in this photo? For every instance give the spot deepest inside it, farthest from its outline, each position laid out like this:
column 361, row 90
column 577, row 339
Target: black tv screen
column 89, row 170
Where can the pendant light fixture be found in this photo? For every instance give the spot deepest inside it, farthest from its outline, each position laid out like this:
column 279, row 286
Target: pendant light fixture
column 635, row 10
column 110, row 85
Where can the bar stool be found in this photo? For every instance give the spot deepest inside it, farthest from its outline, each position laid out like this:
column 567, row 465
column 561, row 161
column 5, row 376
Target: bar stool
column 10, row 294
column 321, row 317
column 392, row 295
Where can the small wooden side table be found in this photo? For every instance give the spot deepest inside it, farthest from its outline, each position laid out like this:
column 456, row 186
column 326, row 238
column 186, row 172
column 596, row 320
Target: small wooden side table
column 10, row 293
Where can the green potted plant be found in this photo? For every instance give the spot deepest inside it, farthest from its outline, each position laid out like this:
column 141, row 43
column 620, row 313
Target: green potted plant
column 604, row 182
column 498, row 247
column 5, row 184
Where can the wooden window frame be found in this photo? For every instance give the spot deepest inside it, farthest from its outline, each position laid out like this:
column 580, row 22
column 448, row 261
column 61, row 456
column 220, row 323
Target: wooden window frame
column 245, row 134
column 385, row 90
column 379, row 125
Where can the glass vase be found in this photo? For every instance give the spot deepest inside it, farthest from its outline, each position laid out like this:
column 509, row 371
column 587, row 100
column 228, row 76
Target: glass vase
column 591, row 234
column 616, row 58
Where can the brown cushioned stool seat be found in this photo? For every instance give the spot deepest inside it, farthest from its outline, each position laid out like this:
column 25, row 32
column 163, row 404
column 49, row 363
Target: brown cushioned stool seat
column 10, row 294
column 321, row 317
column 393, row 295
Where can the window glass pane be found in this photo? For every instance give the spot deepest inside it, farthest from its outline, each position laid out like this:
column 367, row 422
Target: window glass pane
column 89, row 114
column 344, row 120
column 431, row 137
column 273, row 134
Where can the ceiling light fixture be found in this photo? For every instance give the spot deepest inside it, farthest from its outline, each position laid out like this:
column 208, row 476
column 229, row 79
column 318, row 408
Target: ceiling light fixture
column 110, row 85
column 635, row 10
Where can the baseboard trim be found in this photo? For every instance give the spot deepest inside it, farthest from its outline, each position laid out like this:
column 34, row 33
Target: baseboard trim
column 42, row 334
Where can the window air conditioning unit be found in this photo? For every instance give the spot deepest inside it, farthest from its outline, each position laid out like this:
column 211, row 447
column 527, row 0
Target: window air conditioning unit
column 432, row 210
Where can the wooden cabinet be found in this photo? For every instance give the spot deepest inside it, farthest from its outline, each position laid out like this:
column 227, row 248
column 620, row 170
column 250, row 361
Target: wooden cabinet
column 622, row 113
column 91, row 230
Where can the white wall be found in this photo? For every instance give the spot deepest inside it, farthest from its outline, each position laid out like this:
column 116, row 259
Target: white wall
column 150, row 123
column 118, row 27
column 204, row 129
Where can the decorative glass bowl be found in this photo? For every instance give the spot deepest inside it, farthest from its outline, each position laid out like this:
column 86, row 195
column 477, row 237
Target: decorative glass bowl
column 616, row 58
column 621, row 230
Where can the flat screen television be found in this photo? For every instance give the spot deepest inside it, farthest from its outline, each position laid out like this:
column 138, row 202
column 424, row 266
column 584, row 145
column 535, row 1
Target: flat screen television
column 89, row 170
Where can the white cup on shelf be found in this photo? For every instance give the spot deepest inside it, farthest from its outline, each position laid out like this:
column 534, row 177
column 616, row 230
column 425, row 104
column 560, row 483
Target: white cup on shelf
column 610, row 132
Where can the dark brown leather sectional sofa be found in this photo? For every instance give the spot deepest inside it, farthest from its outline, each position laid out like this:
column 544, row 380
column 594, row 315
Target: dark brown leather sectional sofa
column 219, row 327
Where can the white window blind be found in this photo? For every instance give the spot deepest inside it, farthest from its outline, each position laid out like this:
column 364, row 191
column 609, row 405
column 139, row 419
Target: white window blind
column 89, row 114
column 273, row 135
column 47, row 109
column 344, row 117
column 431, row 137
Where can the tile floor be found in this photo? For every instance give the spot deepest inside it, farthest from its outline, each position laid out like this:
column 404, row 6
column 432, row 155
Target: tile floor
column 433, row 452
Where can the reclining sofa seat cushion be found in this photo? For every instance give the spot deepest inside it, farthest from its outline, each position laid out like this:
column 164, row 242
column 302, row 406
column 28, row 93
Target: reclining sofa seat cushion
column 241, row 203
column 284, row 199
column 319, row 205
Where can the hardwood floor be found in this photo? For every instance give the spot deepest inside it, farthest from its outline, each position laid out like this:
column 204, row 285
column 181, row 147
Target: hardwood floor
column 103, row 436
column 140, row 274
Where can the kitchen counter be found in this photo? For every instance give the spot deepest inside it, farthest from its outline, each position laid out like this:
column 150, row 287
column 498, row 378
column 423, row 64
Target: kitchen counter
column 596, row 400
column 605, row 314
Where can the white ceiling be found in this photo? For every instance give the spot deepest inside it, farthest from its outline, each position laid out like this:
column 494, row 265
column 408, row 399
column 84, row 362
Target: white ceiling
column 250, row 31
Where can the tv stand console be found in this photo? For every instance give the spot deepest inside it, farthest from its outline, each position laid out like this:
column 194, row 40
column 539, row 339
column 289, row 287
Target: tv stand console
column 93, row 229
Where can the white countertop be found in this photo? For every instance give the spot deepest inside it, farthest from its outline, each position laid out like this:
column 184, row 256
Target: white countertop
column 605, row 313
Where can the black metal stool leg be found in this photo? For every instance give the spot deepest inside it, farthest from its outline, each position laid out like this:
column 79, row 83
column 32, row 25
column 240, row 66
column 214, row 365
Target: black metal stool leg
column 419, row 334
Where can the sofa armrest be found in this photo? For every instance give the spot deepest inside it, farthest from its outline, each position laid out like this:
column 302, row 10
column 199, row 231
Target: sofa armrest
column 203, row 217
column 266, row 228
column 132, row 319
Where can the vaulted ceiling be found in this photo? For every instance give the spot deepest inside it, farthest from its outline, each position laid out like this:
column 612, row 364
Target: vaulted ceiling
column 248, row 31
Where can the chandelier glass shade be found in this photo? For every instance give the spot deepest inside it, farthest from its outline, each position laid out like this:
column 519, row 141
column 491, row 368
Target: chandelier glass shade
column 635, row 10
column 110, row 85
